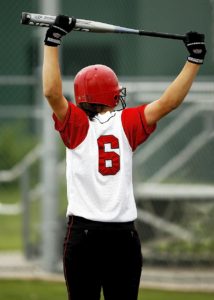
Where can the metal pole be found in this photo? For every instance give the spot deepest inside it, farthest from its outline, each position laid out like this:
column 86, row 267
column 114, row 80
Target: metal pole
column 50, row 223
column 25, row 213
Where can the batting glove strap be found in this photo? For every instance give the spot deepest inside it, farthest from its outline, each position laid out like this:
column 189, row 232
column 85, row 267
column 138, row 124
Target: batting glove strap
column 196, row 46
column 195, row 60
column 53, row 36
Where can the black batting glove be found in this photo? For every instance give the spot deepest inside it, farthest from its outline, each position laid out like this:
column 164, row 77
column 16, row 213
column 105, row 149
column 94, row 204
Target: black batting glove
column 60, row 28
column 195, row 44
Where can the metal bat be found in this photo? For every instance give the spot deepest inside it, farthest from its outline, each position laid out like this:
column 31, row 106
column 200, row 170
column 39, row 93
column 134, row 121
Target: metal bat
column 42, row 20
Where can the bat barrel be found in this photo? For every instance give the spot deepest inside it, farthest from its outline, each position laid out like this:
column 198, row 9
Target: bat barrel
column 25, row 18
column 81, row 24
column 93, row 26
column 37, row 19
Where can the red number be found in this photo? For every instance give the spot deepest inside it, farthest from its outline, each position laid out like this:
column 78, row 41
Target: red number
column 109, row 161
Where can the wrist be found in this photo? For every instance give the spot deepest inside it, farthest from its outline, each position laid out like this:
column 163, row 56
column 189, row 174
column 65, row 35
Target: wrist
column 51, row 43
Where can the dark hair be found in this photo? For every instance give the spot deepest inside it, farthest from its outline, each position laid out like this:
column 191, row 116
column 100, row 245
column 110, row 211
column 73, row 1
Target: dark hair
column 91, row 109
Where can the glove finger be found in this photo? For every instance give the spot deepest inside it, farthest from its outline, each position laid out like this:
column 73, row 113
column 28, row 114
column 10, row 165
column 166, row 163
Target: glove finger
column 72, row 24
column 65, row 23
column 193, row 36
column 61, row 20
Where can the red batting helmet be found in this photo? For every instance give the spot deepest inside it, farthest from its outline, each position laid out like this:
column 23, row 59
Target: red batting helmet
column 97, row 84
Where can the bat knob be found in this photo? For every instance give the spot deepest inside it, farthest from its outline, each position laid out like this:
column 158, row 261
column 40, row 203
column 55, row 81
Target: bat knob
column 25, row 18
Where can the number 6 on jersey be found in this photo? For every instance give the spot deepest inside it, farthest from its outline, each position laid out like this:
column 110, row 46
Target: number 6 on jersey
column 109, row 161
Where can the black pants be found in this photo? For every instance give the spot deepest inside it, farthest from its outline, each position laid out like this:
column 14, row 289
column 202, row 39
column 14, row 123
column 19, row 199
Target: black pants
column 102, row 255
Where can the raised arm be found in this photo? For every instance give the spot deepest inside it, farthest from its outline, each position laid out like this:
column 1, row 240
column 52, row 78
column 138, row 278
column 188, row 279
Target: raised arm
column 52, row 82
column 179, row 88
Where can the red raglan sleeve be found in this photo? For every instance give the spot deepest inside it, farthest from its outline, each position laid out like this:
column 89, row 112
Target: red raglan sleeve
column 135, row 126
column 74, row 128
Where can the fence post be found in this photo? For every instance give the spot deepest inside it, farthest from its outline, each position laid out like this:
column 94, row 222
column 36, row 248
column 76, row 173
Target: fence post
column 50, row 222
column 25, row 213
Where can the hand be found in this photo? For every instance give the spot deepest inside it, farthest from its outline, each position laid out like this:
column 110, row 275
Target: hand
column 61, row 27
column 195, row 44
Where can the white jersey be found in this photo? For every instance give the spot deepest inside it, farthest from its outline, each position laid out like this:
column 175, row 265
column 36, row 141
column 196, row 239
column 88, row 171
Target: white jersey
column 99, row 162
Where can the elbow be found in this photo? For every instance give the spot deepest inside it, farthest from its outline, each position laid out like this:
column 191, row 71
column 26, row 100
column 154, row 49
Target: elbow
column 165, row 107
column 177, row 102
column 48, row 92
column 172, row 104
column 51, row 93
column 170, row 108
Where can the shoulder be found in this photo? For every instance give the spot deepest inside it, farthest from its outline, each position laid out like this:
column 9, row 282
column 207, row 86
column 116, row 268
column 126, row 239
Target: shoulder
column 135, row 125
column 135, row 117
column 74, row 115
column 74, row 128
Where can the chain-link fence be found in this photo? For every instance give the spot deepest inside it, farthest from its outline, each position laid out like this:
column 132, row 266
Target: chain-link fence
column 174, row 184
column 173, row 171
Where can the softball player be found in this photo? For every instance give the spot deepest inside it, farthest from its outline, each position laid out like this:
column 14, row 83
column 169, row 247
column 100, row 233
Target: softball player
column 102, row 249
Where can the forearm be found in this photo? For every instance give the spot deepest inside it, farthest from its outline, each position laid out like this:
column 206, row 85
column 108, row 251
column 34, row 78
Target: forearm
column 52, row 83
column 178, row 89
column 173, row 95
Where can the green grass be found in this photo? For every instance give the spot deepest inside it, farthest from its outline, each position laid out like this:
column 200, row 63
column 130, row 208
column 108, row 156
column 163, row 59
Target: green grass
column 10, row 226
column 43, row 290
column 31, row 290
column 10, row 233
